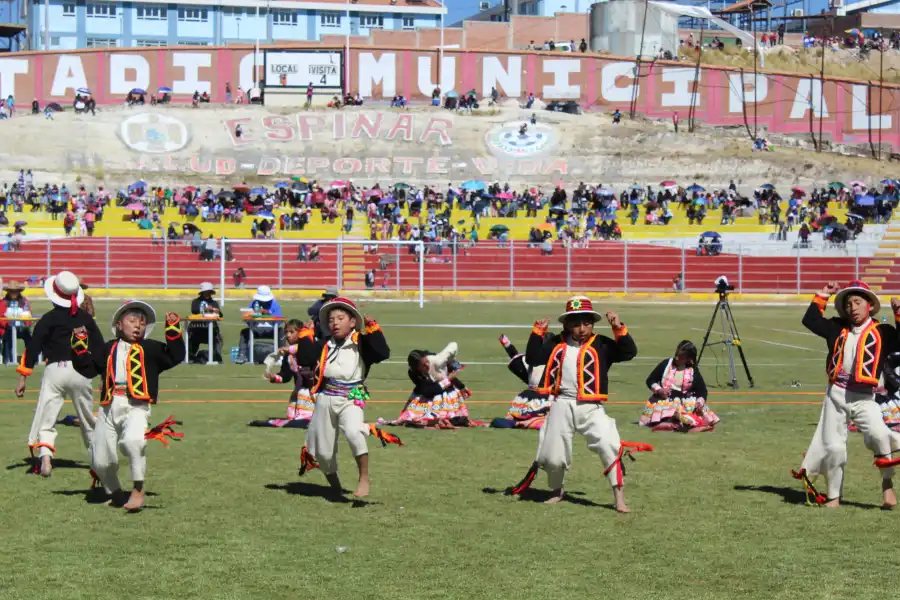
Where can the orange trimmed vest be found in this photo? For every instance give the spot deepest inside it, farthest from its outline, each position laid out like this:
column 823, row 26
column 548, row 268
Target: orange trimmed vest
column 868, row 354
column 136, row 377
column 589, row 372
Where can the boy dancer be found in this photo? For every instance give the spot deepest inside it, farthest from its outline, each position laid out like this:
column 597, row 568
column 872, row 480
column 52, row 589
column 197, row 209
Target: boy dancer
column 577, row 362
column 340, row 364
column 130, row 365
column 51, row 339
column 858, row 348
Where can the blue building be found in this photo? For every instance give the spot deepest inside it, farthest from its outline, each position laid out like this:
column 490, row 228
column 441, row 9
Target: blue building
column 73, row 24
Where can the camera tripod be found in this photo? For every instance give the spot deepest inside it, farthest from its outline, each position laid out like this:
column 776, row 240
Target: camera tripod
column 730, row 338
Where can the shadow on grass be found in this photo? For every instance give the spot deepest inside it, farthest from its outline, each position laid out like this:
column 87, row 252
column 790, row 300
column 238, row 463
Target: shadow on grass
column 315, row 490
column 793, row 495
column 97, row 495
column 531, row 495
column 58, row 463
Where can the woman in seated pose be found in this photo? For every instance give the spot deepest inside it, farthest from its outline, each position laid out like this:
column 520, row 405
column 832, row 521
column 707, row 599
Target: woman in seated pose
column 678, row 402
column 529, row 408
column 438, row 398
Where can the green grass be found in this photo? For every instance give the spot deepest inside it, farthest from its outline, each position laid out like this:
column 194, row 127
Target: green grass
column 715, row 515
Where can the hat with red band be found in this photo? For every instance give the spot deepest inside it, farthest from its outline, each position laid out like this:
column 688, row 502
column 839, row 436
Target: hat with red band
column 856, row 288
column 64, row 290
column 344, row 304
column 578, row 306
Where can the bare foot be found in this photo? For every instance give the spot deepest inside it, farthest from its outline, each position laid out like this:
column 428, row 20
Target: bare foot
column 46, row 466
column 558, row 496
column 117, row 500
column 362, row 489
column 619, row 497
column 700, row 429
column 135, row 501
column 836, row 503
column 889, row 499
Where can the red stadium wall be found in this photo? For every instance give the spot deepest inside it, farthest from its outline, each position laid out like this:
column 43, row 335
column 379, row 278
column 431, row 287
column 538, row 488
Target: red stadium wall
column 850, row 112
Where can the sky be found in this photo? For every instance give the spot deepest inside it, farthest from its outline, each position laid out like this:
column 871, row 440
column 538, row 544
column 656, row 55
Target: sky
column 460, row 9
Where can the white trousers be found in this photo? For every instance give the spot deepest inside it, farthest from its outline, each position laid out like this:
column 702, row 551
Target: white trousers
column 590, row 420
column 335, row 413
column 827, row 453
column 121, row 424
column 61, row 380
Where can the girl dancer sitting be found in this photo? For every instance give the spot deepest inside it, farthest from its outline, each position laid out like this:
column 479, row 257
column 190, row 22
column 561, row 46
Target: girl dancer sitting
column 888, row 395
column 438, row 396
column 283, row 368
column 678, row 402
column 340, row 365
column 529, row 408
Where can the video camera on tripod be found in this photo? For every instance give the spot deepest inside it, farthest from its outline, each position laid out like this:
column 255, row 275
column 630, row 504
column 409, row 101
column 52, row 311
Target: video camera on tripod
column 722, row 286
column 730, row 337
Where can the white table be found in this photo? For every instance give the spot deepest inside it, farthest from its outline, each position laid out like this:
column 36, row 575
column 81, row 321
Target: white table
column 210, row 327
column 275, row 321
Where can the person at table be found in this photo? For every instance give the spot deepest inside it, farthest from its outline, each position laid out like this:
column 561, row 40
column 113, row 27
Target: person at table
column 13, row 304
column 204, row 305
column 263, row 305
column 313, row 311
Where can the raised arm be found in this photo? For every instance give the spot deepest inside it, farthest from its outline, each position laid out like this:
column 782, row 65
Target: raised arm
column 814, row 319
column 372, row 344
column 307, row 350
column 174, row 353
column 537, row 352
column 624, row 348
column 88, row 351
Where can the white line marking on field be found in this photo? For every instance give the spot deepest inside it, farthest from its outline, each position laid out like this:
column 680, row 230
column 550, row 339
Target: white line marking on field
column 764, row 341
column 793, row 331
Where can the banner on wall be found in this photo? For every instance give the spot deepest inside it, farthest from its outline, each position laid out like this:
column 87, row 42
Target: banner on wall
column 300, row 68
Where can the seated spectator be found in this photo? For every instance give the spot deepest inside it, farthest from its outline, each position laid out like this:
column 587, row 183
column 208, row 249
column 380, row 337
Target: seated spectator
column 263, row 304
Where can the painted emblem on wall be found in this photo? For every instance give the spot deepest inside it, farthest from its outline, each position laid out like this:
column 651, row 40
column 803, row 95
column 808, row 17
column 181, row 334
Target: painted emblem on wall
column 153, row 133
column 507, row 140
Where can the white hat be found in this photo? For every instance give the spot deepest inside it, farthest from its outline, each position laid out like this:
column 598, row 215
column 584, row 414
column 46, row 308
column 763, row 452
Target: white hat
column 263, row 294
column 135, row 305
column 63, row 289
column 207, row 287
column 344, row 304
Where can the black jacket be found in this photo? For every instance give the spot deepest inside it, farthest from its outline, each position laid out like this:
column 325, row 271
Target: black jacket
column 52, row 337
column 697, row 389
column 426, row 388
column 373, row 349
column 155, row 357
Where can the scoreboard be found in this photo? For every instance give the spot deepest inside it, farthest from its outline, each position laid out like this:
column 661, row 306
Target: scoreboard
column 302, row 67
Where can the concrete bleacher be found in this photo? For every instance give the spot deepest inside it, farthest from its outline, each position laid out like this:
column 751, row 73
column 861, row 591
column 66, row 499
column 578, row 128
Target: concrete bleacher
column 116, row 223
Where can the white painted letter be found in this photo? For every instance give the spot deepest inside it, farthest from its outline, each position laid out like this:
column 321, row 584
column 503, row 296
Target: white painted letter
column 119, row 65
column 608, row 76
column 9, row 68
column 448, row 75
column 738, row 95
column 859, row 107
column 245, row 71
column 809, row 97
column 192, row 61
column 510, row 79
column 560, row 89
column 372, row 71
column 681, row 94
column 69, row 75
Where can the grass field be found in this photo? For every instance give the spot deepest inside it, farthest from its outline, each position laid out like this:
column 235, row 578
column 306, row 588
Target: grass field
column 715, row 515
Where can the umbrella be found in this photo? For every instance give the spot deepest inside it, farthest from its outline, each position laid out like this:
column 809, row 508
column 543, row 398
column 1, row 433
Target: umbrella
column 282, row 184
column 667, row 183
column 695, row 188
column 190, row 188
column 866, row 200
column 607, row 192
column 857, row 184
column 385, row 201
column 452, row 94
column 636, row 187
column 265, row 215
column 226, row 195
column 854, row 31
column 241, row 187
column 134, row 206
column 338, row 183
column 84, row 91
column 374, row 193
column 300, row 179
column 20, row 224
column 798, row 190
column 137, row 185
column 558, row 210
column 767, row 186
column 825, row 220
column 711, row 234
column 164, row 90
column 500, row 228
column 890, row 182
column 138, row 91
column 505, row 196
column 700, row 201
column 545, row 227
column 401, row 186
column 836, row 185
column 258, row 191
column 854, row 216
column 473, row 184
column 461, row 222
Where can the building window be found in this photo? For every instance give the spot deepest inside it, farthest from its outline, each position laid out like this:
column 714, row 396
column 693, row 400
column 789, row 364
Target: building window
column 101, row 11
column 409, row 22
column 193, row 43
column 371, row 21
column 68, row 10
column 331, row 19
column 152, row 13
column 150, row 43
column 233, row 11
column 193, row 14
column 281, row 17
column 54, row 41
column 102, row 43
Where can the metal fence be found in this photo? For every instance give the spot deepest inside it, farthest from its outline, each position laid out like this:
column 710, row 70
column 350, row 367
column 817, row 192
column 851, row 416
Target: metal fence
column 607, row 266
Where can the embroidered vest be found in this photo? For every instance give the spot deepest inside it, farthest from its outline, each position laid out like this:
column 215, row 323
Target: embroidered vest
column 668, row 379
column 868, row 355
column 136, row 376
column 319, row 371
column 589, row 378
